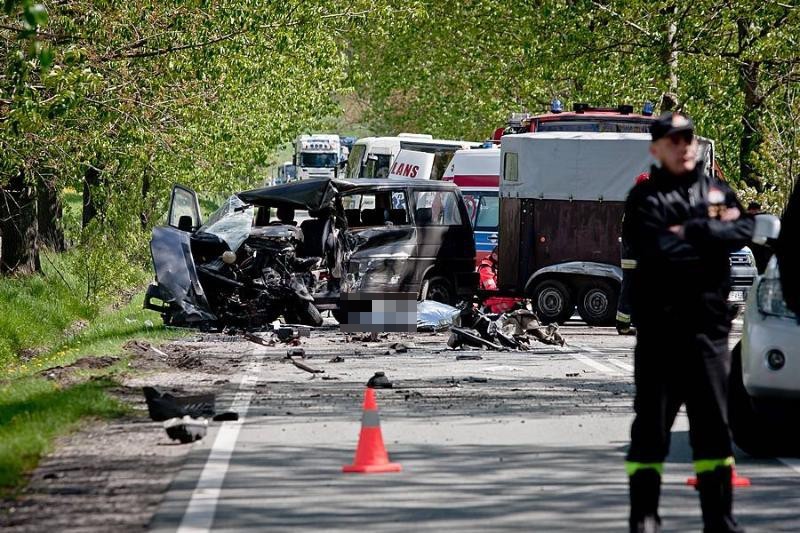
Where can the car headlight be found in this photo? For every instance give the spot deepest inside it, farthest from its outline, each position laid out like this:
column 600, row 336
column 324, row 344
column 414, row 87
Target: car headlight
column 751, row 259
column 770, row 298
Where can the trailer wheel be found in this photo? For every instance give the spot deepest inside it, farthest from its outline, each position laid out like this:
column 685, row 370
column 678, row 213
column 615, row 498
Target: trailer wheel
column 597, row 303
column 553, row 301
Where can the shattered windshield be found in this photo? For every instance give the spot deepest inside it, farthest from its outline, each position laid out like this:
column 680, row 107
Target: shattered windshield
column 231, row 222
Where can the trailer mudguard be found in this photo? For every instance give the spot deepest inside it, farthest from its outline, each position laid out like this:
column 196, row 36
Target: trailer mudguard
column 580, row 268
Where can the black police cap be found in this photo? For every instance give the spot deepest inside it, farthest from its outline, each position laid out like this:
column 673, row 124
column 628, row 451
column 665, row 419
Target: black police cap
column 669, row 124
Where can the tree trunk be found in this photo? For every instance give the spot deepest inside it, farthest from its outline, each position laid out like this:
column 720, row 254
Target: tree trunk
column 672, row 56
column 51, row 211
column 751, row 114
column 91, row 179
column 19, row 227
column 751, row 121
column 143, row 215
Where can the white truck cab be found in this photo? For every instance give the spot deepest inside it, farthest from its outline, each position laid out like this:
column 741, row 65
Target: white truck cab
column 318, row 156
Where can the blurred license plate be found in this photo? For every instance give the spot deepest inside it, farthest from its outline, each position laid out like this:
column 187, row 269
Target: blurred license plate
column 736, row 296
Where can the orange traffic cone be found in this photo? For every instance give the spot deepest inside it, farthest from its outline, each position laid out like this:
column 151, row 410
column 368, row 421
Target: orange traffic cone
column 736, row 480
column 371, row 456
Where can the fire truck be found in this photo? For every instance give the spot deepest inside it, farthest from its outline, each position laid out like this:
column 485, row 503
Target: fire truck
column 620, row 119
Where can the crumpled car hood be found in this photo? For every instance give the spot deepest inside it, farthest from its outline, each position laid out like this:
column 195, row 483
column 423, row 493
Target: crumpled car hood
column 384, row 241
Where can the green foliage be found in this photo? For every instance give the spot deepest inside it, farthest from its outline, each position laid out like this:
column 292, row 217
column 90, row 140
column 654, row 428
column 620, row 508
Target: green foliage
column 198, row 93
column 458, row 68
column 34, row 411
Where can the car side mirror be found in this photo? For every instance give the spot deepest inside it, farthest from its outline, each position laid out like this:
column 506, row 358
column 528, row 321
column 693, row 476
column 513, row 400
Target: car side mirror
column 767, row 228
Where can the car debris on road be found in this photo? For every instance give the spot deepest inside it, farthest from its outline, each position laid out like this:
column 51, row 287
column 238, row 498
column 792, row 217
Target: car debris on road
column 379, row 381
column 164, row 406
column 186, row 429
column 513, row 330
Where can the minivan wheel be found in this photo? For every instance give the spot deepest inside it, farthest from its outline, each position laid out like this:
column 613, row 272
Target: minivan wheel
column 597, row 303
column 439, row 290
column 553, row 301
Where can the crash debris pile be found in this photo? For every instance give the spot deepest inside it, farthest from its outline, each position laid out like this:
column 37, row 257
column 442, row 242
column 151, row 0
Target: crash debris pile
column 514, row 330
column 184, row 418
column 289, row 334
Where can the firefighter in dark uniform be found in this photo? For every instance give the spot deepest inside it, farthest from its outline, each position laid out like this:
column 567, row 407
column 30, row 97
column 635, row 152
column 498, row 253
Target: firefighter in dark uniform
column 681, row 225
column 628, row 264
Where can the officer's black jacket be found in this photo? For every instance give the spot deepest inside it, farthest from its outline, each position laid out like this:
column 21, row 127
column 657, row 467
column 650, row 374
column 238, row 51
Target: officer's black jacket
column 686, row 279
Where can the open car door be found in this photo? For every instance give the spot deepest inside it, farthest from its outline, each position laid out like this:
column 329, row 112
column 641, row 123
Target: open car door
column 177, row 285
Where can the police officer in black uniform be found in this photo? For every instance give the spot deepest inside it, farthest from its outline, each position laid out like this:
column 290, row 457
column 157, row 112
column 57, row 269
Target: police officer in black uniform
column 681, row 225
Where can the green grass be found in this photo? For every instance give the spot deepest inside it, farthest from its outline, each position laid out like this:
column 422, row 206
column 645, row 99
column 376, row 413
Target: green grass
column 104, row 335
column 41, row 315
column 38, row 309
column 34, row 411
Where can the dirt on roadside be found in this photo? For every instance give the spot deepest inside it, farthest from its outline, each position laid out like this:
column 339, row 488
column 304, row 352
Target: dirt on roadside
column 112, row 475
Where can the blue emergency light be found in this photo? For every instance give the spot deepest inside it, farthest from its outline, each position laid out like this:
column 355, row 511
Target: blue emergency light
column 556, row 106
column 648, row 109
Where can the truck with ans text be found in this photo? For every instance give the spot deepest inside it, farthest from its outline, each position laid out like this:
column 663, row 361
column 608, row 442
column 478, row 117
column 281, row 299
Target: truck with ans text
column 372, row 157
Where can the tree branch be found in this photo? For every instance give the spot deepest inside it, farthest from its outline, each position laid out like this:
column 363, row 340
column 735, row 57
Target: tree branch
column 118, row 54
column 628, row 22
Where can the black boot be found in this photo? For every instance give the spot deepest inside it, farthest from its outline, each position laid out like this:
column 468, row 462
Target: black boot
column 645, row 488
column 716, row 501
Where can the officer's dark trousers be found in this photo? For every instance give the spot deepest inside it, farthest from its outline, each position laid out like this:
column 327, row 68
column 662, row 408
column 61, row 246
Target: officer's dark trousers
column 674, row 367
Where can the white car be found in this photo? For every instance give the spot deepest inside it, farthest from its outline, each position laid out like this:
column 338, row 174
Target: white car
column 765, row 372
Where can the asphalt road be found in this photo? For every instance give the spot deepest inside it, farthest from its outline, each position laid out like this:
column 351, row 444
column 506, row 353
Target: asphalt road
column 539, row 446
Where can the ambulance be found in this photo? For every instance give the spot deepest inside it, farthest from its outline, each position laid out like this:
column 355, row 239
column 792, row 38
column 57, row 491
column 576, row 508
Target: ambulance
column 477, row 174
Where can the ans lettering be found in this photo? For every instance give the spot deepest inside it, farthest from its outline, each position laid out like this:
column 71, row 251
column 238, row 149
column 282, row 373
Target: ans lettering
column 405, row 170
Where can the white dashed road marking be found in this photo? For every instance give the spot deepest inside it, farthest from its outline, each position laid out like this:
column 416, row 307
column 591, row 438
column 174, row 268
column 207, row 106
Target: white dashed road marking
column 588, row 361
column 627, row 367
column 791, row 462
column 620, row 365
column 199, row 515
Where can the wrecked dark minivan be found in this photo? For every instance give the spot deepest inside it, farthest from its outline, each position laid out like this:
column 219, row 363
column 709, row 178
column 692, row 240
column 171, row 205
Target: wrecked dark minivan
column 291, row 250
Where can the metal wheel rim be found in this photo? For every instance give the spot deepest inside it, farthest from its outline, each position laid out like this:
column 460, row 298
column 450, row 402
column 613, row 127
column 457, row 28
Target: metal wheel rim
column 596, row 302
column 550, row 301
